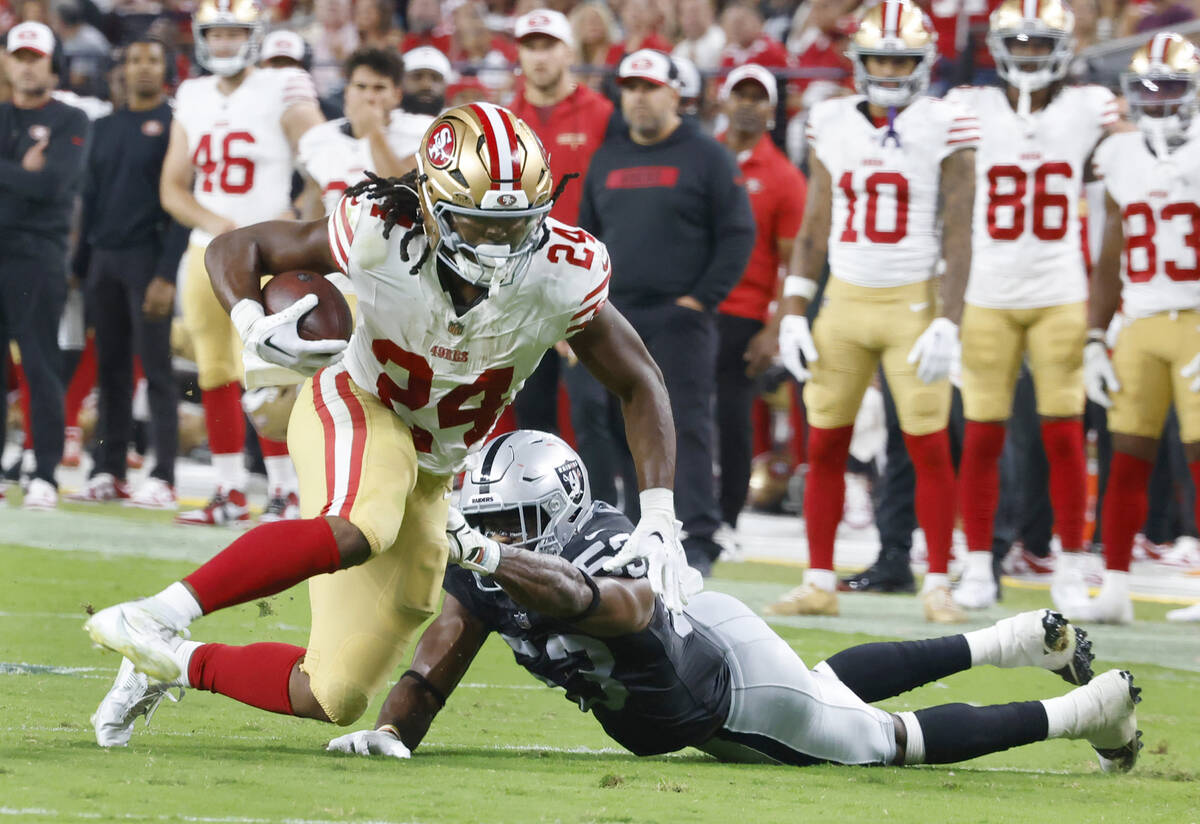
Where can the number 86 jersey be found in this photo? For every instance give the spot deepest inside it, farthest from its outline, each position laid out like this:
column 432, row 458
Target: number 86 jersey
column 1161, row 220
column 884, row 227
column 449, row 376
column 1026, row 251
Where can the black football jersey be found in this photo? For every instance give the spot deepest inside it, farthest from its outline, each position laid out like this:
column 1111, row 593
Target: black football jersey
column 654, row 691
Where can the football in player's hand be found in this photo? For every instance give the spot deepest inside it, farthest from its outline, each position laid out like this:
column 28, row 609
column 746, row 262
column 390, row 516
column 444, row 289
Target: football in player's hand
column 329, row 319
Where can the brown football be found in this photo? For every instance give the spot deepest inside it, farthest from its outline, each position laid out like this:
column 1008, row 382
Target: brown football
column 329, row 319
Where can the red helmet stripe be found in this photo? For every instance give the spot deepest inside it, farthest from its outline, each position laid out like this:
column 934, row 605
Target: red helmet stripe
column 891, row 18
column 1158, row 47
column 501, row 140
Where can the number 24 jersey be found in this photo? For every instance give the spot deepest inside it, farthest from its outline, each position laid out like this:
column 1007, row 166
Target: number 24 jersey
column 449, row 376
column 884, row 228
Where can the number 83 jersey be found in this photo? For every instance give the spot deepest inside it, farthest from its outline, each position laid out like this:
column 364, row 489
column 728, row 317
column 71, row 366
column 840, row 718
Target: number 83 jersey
column 1026, row 251
column 884, row 227
column 447, row 375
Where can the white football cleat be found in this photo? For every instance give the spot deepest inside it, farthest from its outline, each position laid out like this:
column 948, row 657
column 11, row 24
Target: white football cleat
column 141, row 636
column 1068, row 589
column 281, row 506
column 1191, row 613
column 976, row 589
column 1108, row 607
column 154, row 493
column 1044, row 638
column 41, row 496
column 1109, row 722
column 131, row 695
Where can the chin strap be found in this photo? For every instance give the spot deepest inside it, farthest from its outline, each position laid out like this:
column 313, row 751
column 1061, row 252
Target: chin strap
column 891, row 133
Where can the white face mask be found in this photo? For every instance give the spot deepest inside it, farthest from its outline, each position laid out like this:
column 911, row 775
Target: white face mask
column 890, row 92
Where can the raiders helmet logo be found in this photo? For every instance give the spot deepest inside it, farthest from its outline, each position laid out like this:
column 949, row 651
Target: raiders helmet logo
column 570, row 475
column 152, row 128
column 440, row 148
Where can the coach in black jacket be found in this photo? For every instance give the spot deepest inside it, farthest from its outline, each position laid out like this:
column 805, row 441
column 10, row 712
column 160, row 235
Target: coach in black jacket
column 42, row 143
column 669, row 203
column 129, row 251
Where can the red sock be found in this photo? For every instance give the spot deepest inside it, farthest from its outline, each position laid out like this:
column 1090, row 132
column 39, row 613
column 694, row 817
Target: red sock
column 934, row 469
column 979, row 481
column 81, row 383
column 825, row 491
column 26, row 411
column 1125, row 507
column 257, row 674
column 1068, row 479
column 224, row 418
column 1194, row 468
column 272, row 449
column 266, row 560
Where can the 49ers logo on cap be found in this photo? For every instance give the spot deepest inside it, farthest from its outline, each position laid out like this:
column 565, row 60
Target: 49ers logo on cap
column 440, row 148
column 641, row 64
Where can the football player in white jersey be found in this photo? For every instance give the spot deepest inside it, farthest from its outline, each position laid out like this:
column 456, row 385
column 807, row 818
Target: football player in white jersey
column 1150, row 265
column 463, row 283
column 229, row 164
column 890, row 191
column 1028, row 285
column 373, row 135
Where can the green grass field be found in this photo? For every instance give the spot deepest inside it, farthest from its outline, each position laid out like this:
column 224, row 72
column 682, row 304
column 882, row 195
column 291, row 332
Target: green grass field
column 506, row 749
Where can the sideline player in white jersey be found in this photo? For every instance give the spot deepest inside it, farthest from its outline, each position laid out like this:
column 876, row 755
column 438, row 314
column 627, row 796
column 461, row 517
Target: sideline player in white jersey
column 889, row 195
column 1028, row 285
column 1150, row 265
column 463, row 283
column 374, row 134
column 229, row 164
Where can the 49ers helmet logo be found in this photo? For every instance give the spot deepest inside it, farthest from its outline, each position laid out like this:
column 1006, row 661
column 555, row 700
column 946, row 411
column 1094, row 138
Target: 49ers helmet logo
column 440, row 147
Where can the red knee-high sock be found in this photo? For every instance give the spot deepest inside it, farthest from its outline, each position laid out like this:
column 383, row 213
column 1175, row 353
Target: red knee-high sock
column 224, row 418
column 272, row 449
column 979, row 481
column 26, row 412
column 81, row 382
column 825, row 491
column 257, row 674
column 266, row 560
column 934, row 469
column 1068, row 479
column 1125, row 507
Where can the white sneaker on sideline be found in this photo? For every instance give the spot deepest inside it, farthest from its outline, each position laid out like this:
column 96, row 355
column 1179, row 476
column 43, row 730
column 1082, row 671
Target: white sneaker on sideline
column 41, row 496
column 101, row 487
column 154, row 493
column 1108, row 607
column 1191, row 613
column 131, row 695
column 143, row 637
column 1068, row 589
column 976, row 589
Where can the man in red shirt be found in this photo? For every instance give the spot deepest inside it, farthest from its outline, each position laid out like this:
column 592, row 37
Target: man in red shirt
column 747, row 332
column 570, row 119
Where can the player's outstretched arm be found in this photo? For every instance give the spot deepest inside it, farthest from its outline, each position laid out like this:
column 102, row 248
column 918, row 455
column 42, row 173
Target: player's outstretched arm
column 957, row 198
column 237, row 260
column 442, row 658
column 614, row 353
column 1105, row 291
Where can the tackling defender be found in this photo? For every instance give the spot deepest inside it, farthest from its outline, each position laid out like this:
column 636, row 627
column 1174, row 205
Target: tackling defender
column 1152, row 222
column 229, row 164
column 1028, row 285
column 463, row 283
column 892, row 176
column 715, row 677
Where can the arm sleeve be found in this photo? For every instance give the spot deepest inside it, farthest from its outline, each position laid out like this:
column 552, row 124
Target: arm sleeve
column 174, row 243
column 356, row 233
column 65, row 158
column 731, row 225
column 298, row 87
column 962, row 131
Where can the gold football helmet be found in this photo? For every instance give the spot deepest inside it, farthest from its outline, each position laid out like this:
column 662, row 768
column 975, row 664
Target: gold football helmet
column 1161, row 88
column 485, row 189
column 893, row 28
column 1022, row 25
column 220, row 14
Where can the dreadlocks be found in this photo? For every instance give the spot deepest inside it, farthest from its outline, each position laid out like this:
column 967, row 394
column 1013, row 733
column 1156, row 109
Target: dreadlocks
column 401, row 205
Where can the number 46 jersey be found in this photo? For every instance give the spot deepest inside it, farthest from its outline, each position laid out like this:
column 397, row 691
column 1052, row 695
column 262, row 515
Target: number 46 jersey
column 1026, row 251
column 449, row 376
